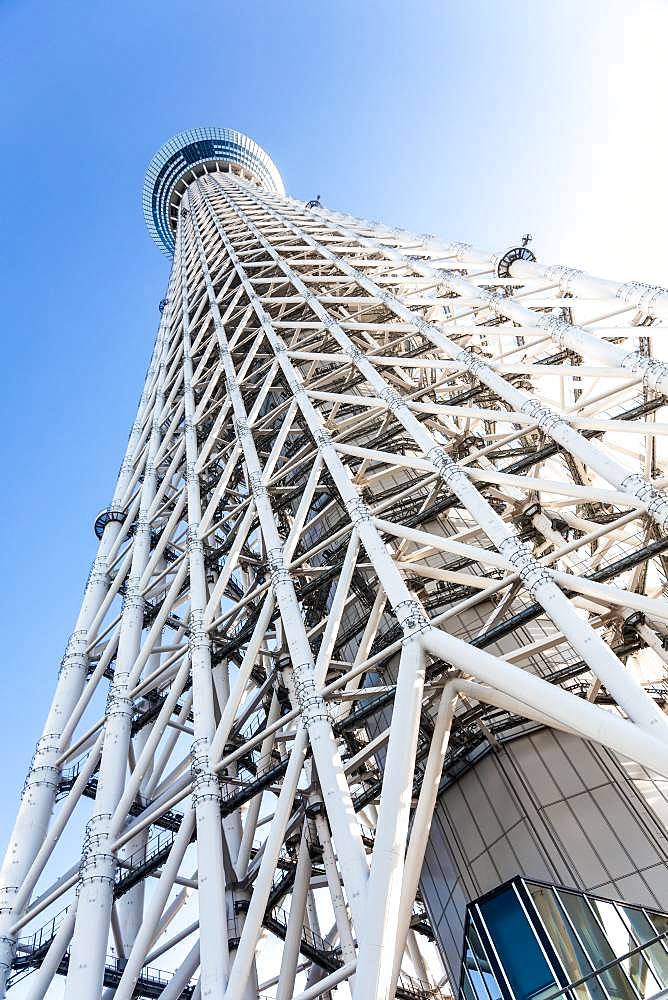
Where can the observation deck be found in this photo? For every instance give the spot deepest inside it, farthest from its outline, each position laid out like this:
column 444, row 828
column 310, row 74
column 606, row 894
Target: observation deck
column 190, row 154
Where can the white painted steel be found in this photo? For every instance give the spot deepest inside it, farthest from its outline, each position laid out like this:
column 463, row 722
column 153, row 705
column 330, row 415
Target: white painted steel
column 359, row 461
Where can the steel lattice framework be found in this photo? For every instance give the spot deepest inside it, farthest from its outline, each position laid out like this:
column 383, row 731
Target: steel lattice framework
column 349, row 437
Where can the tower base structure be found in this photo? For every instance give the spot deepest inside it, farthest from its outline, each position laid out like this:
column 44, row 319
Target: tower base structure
column 370, row 669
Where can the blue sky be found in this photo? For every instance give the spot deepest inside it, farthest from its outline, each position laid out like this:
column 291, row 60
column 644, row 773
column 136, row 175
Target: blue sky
column 474, row 120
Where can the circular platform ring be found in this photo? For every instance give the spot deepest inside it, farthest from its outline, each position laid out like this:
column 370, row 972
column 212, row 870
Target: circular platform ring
column 105, row 516
column 509, row 257
column 194, row 149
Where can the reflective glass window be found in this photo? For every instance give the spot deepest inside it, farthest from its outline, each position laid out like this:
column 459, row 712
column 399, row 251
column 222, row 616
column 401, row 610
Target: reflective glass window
column 596, row 945
column 639, row 923
column 474, row 974
column 476, row 956
column 467, row 989
column 660, row 921
column 616, row 930
column 565, row 942
column 517, row 947
column 623, row 941
column 656, row 954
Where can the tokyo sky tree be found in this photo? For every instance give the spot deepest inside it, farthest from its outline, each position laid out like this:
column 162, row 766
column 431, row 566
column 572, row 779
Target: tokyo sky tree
column 389, row 537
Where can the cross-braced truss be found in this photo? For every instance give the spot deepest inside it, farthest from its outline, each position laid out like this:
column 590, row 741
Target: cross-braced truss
column 387, row 500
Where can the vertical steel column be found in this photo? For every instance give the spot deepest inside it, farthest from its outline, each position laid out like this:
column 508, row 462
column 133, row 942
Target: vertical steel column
column 337, row 799
column 417, row 843
column 214, row 957
column 41, row 784
column 376, row 951
column 98, row 862
column 290, row 957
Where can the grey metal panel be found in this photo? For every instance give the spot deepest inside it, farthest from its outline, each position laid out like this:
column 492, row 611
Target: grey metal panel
column 563, row 810
column 526, row 847
column 486, row 873
column 504, row 857
column 628, row 829
column 536, row 771
column 497, row 801
column 465, row 823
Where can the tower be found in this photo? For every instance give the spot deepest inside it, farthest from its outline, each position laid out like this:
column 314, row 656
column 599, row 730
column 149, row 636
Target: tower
column 388, row 538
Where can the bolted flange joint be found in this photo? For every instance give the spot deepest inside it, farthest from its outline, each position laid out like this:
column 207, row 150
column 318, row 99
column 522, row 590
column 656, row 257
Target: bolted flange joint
column 474, row 366
column 98, row 573
column 127, row 468
column 98, row 863
column 205, row 784
column 296, row 387
column 323, row 439
column 546, row 418
column 555, row 327
column 311, row 703
column 258, row 489
column 278, row 571
column 392, row 399
column 142, row 526
column 353, row 353
column 460, row 249
column 191, row 473
column 118, row 702
column 75, row 658
column 640, row 294
column 411, row 618
column 132, row 598
column 43, row 769
column 654, row 373
column 198, row 637
column 446, row 467
column 562, row 276
column 654, row 502
column 194, row 542
column 358, row 511
column 531, row 573
column 241, row 429
column 490, row 300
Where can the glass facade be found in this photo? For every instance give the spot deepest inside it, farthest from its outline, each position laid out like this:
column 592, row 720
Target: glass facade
column 532, row 941
column 188, row 149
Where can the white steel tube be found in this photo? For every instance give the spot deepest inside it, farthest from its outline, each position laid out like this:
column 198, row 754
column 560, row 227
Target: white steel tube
column 635, row 701
column 249, row 264
column 98, row 869
column 48, row 969
column 328, row 983
column 262, row 886
column 341, row 914
column 206, row 795
column 376, row 949
column 651, row 298
column 186, row 970
column 290, row 956
column 314, row 713
column 154, row 909
column 554, row 703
